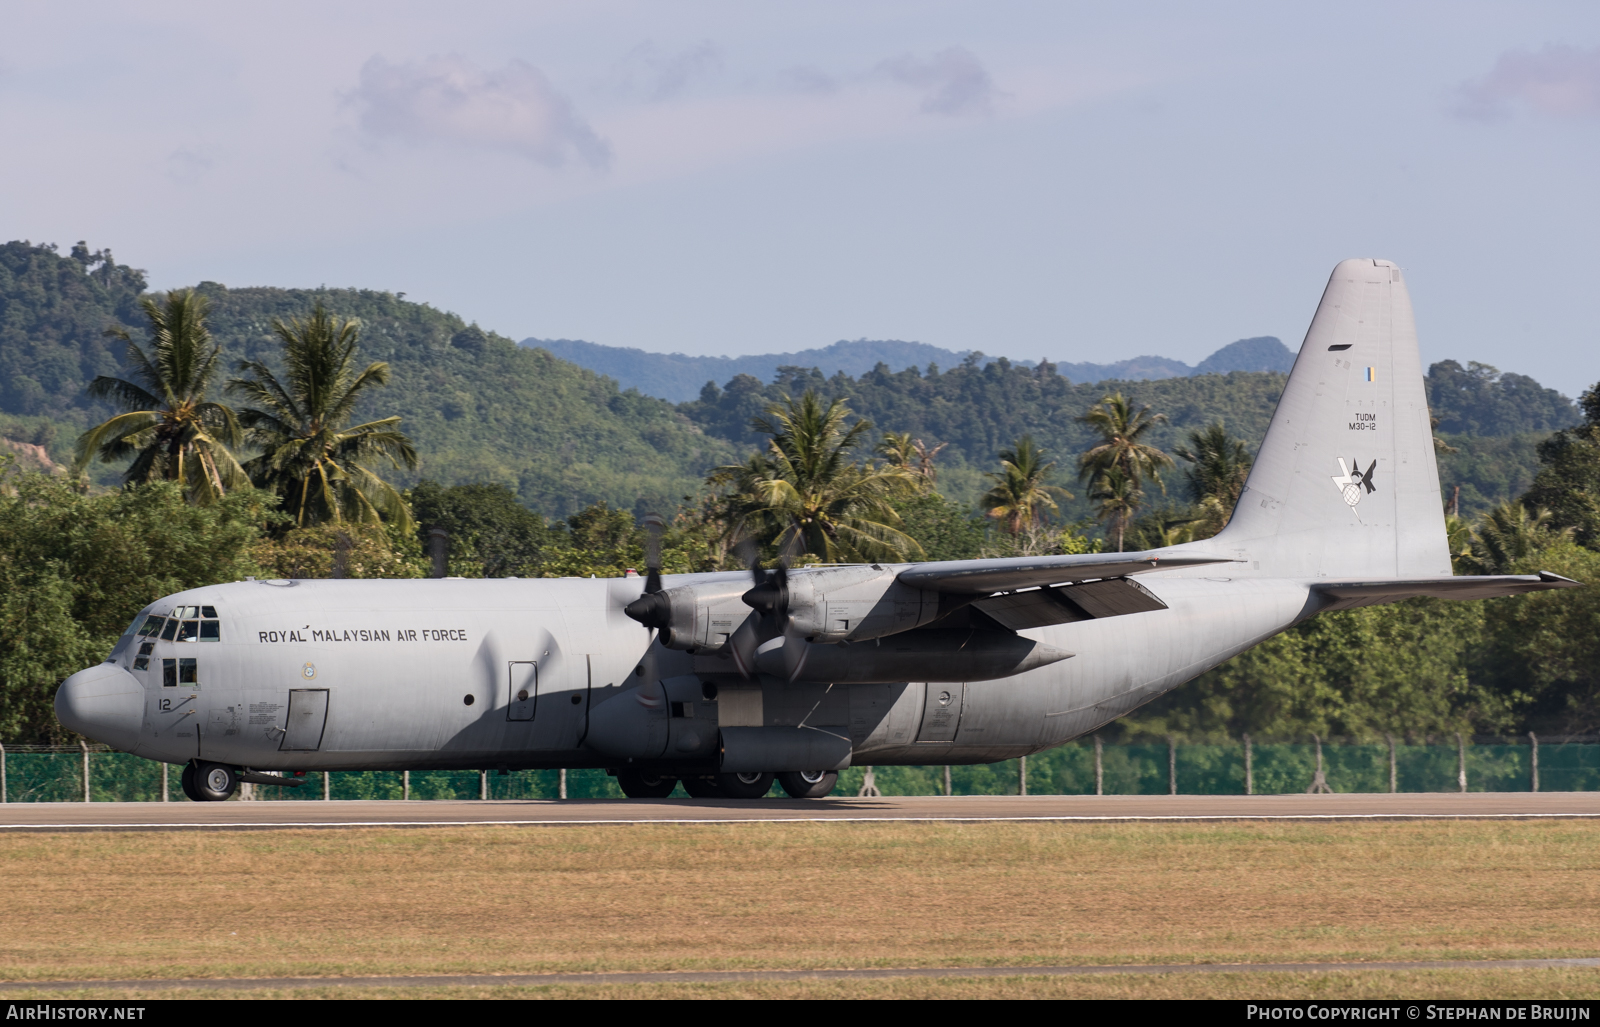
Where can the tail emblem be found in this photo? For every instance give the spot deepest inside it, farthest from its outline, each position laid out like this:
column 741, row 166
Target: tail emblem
column 1351, row 481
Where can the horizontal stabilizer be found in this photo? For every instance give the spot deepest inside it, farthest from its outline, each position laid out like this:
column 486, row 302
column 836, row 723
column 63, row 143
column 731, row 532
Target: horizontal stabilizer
column 976, row 577
column 1345, row 595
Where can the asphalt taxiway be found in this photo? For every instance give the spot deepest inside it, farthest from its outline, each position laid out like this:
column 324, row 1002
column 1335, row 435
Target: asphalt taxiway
column 277, row 814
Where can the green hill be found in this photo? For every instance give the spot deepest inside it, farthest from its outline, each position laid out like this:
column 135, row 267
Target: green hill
column 482, row 408
column 479, row 407
column 979, row 409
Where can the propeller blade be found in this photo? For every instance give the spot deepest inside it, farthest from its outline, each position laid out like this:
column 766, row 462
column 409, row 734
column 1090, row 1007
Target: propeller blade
column 742, row 645
column 654, row 526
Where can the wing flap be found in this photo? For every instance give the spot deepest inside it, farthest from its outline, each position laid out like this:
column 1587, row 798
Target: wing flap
column 1041, row 607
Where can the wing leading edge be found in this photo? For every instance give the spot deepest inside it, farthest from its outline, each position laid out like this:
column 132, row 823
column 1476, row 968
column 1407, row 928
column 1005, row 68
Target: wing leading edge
column 976, row 577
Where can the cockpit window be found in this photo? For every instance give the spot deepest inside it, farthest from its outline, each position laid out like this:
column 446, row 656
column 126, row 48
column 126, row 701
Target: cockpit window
column 170, row 630
column 208, row 612
column 152, row 625
column 210, row 630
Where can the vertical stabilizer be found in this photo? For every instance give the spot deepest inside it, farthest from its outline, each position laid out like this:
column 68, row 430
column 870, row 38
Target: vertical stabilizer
column 1346, row 484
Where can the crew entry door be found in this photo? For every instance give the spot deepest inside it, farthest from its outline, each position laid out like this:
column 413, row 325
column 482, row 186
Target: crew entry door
column 308, row 716
column 524, row 680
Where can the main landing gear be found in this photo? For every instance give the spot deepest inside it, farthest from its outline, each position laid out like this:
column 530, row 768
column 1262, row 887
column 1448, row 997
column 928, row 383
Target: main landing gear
column 208, row 782
column 799, row 784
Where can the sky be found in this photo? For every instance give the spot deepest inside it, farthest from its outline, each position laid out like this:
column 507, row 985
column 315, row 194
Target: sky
column 1075, row 181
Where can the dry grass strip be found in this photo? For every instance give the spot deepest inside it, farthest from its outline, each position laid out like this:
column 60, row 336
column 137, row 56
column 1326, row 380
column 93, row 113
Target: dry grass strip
column 487, row 900
column 1541, row 984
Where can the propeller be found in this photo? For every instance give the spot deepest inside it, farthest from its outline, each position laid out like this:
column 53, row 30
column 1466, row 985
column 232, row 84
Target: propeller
column 652, row 609
column 769, row 597
column 654, row 526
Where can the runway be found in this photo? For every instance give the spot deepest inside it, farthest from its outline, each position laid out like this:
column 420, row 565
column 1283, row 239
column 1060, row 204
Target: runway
column 739, row 976
column 277, row 814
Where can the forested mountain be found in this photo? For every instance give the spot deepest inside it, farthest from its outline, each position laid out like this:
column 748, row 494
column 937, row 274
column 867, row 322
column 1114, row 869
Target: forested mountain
column 479, row 407
column 978, row 409
column 482, row 408
column 678, row 377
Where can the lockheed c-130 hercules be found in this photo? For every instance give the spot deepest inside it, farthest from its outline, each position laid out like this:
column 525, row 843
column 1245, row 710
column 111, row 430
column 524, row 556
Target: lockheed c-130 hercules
column 719, row 683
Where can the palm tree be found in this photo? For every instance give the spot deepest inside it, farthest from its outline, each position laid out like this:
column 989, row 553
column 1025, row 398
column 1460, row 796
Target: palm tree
column 1021, row 494
column 316, row 464
column 901, row 450
column 1119, row 497
column 806, row 495
column 1510, row 534
column 1122, row 430
column 167, row 425
column 1221, row 466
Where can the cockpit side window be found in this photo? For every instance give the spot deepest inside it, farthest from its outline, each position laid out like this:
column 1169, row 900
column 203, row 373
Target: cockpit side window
column 152, row 626
column 170, row 630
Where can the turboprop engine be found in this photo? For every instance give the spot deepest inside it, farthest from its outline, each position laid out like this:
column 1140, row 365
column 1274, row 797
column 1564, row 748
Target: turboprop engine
column 847, row 625
column 829, row 604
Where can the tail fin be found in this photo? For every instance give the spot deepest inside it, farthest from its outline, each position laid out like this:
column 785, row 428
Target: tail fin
column 1345, row 484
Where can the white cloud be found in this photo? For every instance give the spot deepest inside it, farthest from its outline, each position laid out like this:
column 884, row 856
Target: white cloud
column 645, row 70
column 1559, row 80
column 953, row 82
column 450, row 100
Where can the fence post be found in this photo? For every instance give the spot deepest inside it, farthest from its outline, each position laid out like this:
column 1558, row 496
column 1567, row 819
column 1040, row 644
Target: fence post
column 563, row 793
column 1394, row 776
column 327, row 786
column 1533, row 742
column 85, row 769
column 1099, row 767
column 1319, row 782
column 1022, row 776
column 1172, row 765
column 164, row 782
column 3, row 797
column 1461, row 761
column 1249, row 768
column 948, row 789
column 483, row 785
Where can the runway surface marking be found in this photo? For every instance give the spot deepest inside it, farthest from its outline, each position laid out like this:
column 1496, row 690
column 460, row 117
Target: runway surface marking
column 735, row 976
column 279, row 814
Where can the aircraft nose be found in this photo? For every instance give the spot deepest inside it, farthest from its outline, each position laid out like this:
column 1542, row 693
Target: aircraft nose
column 104, row 703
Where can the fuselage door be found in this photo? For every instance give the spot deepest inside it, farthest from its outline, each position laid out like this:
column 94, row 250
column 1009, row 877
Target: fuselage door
column 523, row 676
column 308, row 715
column 941, row 712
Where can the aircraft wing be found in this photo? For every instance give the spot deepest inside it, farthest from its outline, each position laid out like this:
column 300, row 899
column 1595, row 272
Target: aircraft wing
column 978, row 577
column 1348, row 594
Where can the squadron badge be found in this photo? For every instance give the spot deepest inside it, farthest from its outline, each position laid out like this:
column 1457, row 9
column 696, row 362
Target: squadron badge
column 1352, row 483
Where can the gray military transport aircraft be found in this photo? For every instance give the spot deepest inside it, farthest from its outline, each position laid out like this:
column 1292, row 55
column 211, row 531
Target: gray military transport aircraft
column 719, row 683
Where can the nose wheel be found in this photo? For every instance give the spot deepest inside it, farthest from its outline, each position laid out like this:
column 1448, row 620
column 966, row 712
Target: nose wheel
column 208, row 782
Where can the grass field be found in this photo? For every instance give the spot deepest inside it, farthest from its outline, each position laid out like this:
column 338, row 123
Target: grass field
column 514, row 900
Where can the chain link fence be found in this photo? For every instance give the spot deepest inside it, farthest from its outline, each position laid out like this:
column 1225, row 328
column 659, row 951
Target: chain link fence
column 1550, row 763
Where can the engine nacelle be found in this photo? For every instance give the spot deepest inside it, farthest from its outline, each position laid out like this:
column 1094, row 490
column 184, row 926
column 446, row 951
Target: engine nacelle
column 913, row 656
column 823, row 604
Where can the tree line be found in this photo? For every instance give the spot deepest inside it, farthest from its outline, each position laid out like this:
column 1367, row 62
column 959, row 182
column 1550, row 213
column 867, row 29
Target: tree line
column 285, row 485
